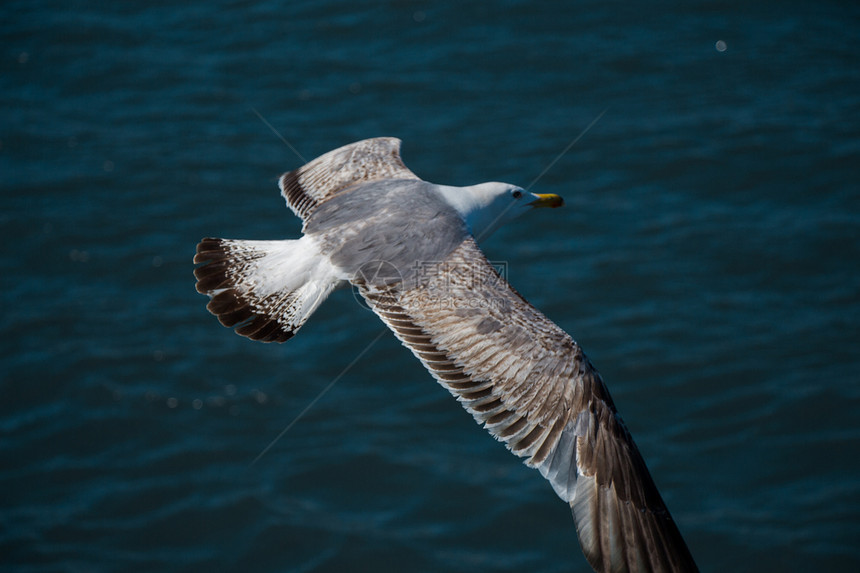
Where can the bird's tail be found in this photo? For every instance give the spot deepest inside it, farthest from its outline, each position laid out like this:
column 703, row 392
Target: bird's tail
column 265, row 289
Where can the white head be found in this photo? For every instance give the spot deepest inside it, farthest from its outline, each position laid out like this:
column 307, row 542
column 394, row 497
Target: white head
column 488, row 206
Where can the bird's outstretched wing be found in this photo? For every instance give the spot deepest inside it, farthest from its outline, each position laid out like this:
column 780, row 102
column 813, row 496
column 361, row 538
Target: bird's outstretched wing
column 530, row 385
column 360, row 162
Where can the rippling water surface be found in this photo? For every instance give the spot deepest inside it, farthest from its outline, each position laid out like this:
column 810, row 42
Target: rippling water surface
column 706, row 261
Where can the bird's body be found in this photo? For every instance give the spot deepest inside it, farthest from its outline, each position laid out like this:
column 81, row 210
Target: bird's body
column 354, row 232
column 409, row 247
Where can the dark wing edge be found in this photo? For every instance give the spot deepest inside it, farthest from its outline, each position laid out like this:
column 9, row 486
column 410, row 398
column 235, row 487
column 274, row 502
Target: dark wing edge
column 367, row 160
column 529, row 384
column 621, row 518
column 234, row 273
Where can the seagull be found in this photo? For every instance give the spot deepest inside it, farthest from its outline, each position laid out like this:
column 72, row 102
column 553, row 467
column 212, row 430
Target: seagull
column 410, row 249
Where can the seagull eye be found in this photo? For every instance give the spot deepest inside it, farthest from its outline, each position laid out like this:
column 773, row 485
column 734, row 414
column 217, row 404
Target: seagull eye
column 517, row 194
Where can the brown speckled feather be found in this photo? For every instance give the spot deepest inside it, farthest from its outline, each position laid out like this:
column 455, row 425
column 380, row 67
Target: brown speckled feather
column 530, row 385
column 368, row 160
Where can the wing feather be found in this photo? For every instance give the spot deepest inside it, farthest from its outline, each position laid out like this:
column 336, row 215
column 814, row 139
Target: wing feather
column 530, row 385
column 363, row 161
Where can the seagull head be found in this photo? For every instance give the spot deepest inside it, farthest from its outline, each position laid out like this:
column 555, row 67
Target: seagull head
column 488, row 206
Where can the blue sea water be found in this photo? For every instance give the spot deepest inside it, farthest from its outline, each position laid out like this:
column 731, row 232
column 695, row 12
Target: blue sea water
column 707, row 261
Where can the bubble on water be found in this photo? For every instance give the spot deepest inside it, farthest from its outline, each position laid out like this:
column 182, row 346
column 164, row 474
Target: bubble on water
column 260, row 397
column 720, row 46
column 79, row 256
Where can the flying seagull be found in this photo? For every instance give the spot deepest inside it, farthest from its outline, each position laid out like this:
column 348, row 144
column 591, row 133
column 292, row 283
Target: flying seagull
column 410, row 248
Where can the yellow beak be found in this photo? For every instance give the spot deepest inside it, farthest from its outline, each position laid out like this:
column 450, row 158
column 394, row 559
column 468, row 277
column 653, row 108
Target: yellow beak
column 547, row 200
